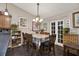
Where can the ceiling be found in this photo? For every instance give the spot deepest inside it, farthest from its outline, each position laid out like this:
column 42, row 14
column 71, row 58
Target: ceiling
column 47, row 9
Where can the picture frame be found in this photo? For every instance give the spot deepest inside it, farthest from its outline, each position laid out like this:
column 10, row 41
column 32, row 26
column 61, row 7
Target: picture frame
column 34, row 26
column 22, row 22
column 75, row 16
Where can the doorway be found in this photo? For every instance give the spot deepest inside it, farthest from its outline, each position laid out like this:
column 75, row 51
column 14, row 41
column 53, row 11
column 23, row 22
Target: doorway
column 56, row 27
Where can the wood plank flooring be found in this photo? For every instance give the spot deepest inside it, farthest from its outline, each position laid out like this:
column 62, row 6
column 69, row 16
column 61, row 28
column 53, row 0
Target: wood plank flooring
column 24, row 51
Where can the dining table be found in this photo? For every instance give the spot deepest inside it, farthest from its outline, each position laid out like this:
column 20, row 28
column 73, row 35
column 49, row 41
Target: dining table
column 39, row 38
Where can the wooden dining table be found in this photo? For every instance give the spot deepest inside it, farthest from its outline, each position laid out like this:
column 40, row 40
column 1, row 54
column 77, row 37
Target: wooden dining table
column 39, row 38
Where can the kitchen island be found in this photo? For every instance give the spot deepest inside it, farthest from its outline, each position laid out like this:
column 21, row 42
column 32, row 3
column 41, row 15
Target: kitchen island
column 4, row 41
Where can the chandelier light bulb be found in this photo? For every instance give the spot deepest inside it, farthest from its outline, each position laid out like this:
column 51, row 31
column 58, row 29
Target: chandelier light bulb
column 34, row 20
column 40, row 20
column 6, row 13
column 37, row 18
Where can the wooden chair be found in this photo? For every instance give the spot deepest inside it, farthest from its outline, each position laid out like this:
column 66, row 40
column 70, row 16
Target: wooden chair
column 30, row 43
column 29, row 37
column 50, row 44
column 25, row 41
column 52, row 39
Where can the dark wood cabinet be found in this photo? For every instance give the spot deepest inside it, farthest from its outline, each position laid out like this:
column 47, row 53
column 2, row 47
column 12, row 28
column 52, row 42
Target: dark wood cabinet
column 1, row 21
column 5, row 22
column 71, row 44
column 71, row 38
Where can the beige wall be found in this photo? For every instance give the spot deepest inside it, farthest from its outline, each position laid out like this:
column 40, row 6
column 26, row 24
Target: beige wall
column 17, row 13
column 66, row 16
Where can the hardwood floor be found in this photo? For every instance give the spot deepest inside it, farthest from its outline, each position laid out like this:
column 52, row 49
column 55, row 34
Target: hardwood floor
column 24, row 51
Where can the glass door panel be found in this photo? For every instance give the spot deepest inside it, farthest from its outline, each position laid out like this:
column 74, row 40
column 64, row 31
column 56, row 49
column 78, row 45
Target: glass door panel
column 57, row 28
column 53, row 28
column 60, row 31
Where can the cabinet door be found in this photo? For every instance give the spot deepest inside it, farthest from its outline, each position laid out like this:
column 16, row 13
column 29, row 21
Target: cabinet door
column 7, row 22
column 1, row 21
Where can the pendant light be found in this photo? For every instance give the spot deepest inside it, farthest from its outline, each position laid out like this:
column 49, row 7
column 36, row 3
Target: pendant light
column 6, row 11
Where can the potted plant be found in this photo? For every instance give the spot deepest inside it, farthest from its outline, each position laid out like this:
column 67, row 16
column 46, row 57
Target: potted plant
column 14, row 28
column 66, row 30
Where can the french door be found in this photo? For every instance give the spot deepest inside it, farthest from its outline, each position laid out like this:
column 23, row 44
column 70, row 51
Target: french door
column 56, row 27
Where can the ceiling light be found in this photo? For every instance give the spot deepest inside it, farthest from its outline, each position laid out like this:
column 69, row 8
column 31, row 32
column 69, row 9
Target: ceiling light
column 6, row 11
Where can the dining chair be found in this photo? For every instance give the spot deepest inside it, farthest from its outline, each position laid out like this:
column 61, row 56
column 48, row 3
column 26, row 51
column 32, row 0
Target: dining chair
column 30, row 44
column 49, row 44
column 29, row 37
column 52, row 39
column 25, row 41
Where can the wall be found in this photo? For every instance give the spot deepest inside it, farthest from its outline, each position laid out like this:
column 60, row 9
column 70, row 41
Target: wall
column 67, row 17
column 16, row 14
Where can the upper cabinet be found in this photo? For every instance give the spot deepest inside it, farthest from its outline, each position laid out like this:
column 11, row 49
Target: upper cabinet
column 1, row 21
column 5, row 22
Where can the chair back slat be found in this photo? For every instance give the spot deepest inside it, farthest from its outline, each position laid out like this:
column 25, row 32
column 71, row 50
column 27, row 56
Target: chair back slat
column 29, row 37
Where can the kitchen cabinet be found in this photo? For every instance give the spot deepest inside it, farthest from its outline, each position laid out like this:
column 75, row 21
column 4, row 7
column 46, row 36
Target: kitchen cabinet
column 5, row 21
column 1, row 21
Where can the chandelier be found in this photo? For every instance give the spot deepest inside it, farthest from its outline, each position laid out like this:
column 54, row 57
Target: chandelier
column 37, row 18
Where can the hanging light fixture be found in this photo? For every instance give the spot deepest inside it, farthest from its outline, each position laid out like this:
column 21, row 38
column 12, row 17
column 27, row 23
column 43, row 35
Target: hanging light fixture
column 37, row 19
column 6, row 11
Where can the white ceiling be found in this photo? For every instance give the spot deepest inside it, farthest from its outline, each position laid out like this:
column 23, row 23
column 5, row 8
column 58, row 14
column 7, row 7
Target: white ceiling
column 47, row 9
